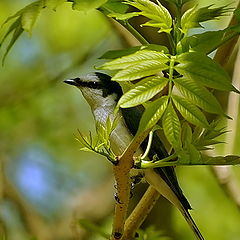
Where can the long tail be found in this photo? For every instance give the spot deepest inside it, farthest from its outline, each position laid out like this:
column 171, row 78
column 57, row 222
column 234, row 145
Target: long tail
column 164, row 189
column 191, row 223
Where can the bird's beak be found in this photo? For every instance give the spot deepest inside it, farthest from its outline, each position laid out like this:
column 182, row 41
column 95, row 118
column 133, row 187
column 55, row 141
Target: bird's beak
column 71, row 82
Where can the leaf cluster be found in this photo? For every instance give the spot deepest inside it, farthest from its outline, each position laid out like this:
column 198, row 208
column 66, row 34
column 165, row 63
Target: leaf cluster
column 25, row 18
column 101, row 142
column 173, row 84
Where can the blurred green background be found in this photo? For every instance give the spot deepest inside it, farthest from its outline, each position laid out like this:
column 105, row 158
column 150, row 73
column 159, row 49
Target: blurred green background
column 47, row 184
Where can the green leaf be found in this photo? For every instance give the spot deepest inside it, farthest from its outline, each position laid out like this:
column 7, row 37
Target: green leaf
column 202, row 69
column 220, row 160
column 204, row 42
column 158, row 14
column 143, row 69
column 172, row 127
column 193, row 17
column 237, row 14
column 13, row 26
column 113, row 54
column 114, row 6
column 30, row 14
column 178, row 3
column 203, row 138
column 186, row 133
column 152, row 114
column 86, row 5
column 143, row 91
column 198, row 95
column 17, row 32
column 123, row 16
column 190, row 112
column 136, row 58
column 192, row 157
column 53, row 4
column 26, row 18
column 189, row 155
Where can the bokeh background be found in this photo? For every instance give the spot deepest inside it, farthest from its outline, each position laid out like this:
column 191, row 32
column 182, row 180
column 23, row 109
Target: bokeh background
column 46, row 184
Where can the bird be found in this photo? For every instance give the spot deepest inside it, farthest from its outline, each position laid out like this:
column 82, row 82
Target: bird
column 102, row 94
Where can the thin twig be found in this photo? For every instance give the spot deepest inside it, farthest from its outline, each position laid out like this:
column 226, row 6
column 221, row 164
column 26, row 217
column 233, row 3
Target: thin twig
column 140, row 213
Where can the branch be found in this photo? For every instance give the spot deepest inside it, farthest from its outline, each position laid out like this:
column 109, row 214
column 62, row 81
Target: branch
column 122, row 176
column 140, row 213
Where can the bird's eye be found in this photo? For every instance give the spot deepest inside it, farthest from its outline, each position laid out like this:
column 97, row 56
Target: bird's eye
column 94, row 85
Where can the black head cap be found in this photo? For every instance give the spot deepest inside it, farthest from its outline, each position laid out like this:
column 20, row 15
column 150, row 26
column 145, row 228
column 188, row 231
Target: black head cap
column 97, row 80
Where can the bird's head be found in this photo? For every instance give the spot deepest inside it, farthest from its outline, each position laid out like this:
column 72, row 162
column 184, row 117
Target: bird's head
column 98, row 89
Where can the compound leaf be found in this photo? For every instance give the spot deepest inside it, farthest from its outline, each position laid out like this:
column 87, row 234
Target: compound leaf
column 159, row 16
column 143, row 91
column 190, row 112
column 113, row 54
column 204, row 42
column 136, row 58
column 153, row 114
column 202, row 69
column 198, row 95
column 172, row 127
column 143, row 69
column 194, row 16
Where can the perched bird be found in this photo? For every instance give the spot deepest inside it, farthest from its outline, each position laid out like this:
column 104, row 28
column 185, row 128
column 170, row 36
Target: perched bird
column 102, row 95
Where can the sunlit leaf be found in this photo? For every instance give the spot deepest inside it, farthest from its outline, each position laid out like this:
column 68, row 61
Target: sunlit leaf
column 158, row 14
column 123, row 16
column 86, row 5
column 26, row 18
column 153, row 114
column 172, row 127
column 143, row 91
column 53, row 4
column 114, row 6
column 190, row 112
column 143, row 69
column 186, row 133
column 189, row 155
column 13, row 26
column 204, row 42
column 30, row 14
column 136, row 58
column 198, row 95
column 194, row 16
column 113, row 54
column 17, row 32
column 202, row 69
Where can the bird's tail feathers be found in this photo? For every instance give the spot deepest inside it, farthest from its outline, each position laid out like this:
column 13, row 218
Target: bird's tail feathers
column 191, row 223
